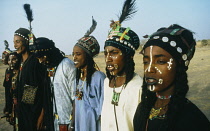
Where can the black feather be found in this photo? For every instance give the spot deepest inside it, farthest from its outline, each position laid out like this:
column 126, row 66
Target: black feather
column 28, row 12
column 128, row 10
column 92, row 28
column 6, row 44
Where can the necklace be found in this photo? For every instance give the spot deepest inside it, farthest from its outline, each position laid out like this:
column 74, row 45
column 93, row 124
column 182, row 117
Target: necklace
column 79, row 92
column 122, row 76
column 155, row 112
column 51, row 71
column 162, row 97
column 116, row 96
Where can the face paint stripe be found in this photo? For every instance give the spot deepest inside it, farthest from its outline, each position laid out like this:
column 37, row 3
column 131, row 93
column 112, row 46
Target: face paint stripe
column 158, row 70
column 150, row 64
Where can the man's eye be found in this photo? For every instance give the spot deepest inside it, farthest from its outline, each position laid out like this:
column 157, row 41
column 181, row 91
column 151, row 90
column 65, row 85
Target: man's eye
column 161, row 62
column 145, row 62
column 115, row 53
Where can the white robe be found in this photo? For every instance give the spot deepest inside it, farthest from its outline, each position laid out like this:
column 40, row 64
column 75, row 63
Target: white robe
column 129, row 99
column 63, row 90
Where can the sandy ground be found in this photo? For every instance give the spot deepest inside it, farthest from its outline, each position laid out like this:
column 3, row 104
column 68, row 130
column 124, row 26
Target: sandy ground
column 198, row 76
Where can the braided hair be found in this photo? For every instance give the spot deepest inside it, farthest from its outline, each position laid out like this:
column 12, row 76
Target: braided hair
column 91, row 68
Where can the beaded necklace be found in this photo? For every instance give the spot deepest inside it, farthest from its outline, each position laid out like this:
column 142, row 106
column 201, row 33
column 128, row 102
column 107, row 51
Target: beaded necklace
column 162, row 97
column 155, row 112
column 116, row 95
column 51, row 71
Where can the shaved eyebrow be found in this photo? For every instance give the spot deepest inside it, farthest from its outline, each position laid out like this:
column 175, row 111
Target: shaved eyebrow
column 160, row 55
column 111, row 50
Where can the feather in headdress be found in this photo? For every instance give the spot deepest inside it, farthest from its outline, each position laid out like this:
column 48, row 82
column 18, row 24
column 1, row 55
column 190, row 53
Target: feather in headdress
column 28, row 12
column 6, row 44
column 92, row 28
column 128, row 10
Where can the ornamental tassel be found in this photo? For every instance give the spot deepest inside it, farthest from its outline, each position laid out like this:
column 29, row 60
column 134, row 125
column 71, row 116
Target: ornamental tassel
column 6, row 44
column 127, row 12
column 92, row 28
column 30, row 19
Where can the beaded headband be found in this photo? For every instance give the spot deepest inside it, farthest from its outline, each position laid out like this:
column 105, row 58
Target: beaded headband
column 174, row 44
column 178, row 44
column 21, row 36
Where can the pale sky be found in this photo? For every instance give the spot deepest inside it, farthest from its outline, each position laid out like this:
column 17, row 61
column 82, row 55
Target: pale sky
column 66, row 21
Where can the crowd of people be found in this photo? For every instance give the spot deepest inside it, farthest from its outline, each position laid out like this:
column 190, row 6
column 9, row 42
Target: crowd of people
column 46, row 91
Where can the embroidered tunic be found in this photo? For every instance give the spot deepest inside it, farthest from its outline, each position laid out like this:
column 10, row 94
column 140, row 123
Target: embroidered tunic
column 63, row 91
column 88, row 110
column 129, row 99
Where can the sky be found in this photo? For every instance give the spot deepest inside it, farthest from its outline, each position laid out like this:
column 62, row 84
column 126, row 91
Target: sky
column 66, row 21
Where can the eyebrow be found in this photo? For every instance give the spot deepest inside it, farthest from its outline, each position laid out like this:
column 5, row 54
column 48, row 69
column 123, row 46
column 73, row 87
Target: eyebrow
column 111, row 50
column 156, row 56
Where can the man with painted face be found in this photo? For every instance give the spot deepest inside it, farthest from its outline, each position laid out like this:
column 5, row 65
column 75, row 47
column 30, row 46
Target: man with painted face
column 7, row 82
column 122, row 88
column 14, row 65
column 164, row 106
column 62, row 72
column 30, row 85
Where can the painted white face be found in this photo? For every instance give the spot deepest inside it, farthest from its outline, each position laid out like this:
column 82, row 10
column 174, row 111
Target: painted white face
column 159, row 68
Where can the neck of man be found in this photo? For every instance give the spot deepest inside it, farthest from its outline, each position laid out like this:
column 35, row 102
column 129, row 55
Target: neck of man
column 25, row 56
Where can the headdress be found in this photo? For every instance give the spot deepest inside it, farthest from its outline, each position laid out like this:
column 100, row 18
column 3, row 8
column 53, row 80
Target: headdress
column 7, row 50
column 89, row 43
column 22, row 32
column 120, row 37
column 42, row 45
column 176, row 40
column 25, row 33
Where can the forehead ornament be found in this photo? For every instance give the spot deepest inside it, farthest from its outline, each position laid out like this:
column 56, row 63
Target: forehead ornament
column 174, row 44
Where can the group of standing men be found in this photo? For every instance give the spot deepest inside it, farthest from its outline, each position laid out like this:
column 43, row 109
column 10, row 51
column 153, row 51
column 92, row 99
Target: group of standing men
column 33, row 91
column 47, row 91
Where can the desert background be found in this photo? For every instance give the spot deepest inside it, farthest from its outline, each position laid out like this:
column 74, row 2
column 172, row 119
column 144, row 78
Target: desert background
column 198, row 77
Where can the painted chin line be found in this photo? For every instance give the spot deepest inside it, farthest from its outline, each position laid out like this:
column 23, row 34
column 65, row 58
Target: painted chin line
column 152, row 85
column 76, row 63
column 112, row 69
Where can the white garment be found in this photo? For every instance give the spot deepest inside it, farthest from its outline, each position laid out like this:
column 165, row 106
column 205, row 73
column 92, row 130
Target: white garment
column 63, row 90
column 129, row 99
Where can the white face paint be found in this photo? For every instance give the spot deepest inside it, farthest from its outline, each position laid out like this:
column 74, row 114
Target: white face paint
column 151, row 87
column 116, row 66
column 170, row 64
column 160, row 81
column 158, row 70
column 150, row 64
column 108, row 55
